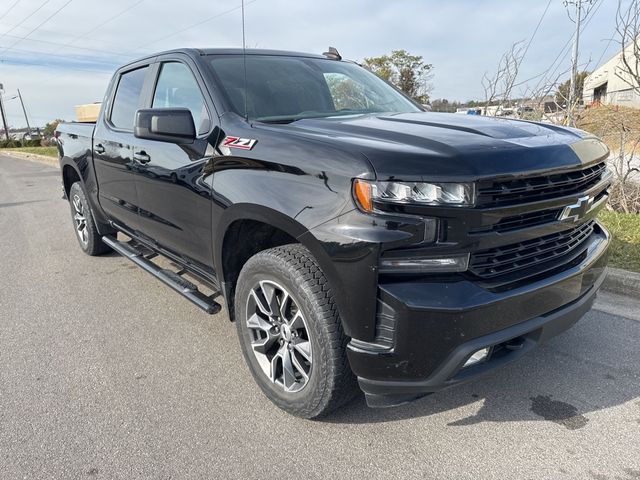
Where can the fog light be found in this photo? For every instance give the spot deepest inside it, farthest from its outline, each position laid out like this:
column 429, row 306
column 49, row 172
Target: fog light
column 479, row 356
column 458, row 263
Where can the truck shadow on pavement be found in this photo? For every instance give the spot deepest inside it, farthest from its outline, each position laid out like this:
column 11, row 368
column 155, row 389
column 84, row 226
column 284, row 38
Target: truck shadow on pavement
column 591, row 367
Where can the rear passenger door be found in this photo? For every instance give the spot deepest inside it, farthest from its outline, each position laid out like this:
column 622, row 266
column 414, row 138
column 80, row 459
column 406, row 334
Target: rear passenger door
column 113, row 147
column 174, row 187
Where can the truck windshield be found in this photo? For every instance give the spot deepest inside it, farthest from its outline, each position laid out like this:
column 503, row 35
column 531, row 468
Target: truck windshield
column 283, row 89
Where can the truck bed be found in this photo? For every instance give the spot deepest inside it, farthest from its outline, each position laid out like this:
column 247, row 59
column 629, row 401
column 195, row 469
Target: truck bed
column 76, row 139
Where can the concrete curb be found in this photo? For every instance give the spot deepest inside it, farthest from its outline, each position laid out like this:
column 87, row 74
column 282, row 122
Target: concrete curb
column 622, row 282
column 34, row 157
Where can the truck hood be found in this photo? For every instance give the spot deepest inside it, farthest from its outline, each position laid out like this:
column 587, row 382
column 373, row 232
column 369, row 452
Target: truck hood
column 441, row 146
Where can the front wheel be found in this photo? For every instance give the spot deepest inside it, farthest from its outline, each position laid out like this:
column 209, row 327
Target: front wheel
column 290, row 332
column 86, row 232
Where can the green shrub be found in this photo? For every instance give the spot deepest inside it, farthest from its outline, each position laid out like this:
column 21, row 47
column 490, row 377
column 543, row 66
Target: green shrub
column 11, row 143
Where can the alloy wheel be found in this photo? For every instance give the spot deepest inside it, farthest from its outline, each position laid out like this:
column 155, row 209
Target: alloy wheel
column 80, row 219
column 279, row 336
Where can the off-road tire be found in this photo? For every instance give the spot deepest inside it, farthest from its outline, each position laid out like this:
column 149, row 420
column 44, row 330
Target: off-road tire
column 90, row 240
column 330, row 381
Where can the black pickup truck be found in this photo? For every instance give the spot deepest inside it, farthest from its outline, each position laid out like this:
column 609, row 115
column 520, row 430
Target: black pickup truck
column 355, row 239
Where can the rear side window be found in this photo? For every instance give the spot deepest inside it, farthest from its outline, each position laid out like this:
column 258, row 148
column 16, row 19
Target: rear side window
column 127, row 98
column 177, row 87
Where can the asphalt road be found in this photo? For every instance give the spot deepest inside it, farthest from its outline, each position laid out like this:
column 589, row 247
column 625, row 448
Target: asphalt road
column 105, row 373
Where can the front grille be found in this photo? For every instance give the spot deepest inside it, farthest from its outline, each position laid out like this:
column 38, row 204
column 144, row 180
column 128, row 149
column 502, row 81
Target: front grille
column 524, row 259
column 517, row 222
column 513, row 192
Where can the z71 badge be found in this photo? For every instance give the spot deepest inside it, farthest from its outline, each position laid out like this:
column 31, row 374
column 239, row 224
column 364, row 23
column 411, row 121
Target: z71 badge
column 237, row 142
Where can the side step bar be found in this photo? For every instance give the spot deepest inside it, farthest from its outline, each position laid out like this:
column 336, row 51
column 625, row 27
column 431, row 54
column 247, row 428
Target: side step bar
column 170, row 278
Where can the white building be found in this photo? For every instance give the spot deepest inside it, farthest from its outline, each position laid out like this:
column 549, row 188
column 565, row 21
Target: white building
column 611, row 84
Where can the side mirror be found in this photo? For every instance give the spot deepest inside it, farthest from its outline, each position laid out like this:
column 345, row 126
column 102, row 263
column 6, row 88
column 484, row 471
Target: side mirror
column 173, row 125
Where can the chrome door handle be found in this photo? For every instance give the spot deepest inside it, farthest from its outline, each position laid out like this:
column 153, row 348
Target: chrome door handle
column 141, row 157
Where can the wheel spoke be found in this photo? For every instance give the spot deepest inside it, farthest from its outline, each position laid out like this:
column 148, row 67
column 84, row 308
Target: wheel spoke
column 256, row 322
column 269, row 292
column 297, row 322
column 304, row 348
column 288, row 371
column 275, row 361
column 77, row 205
column 258, row 298
column 262, row 344
column 283, row 306
column 299, row 367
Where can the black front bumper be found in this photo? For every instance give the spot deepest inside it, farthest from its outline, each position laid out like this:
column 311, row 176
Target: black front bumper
column 440, row 324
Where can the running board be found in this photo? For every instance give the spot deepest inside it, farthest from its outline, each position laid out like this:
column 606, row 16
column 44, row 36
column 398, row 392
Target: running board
column 168, row 277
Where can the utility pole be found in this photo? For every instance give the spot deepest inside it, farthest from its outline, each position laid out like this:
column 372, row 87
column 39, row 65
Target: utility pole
column 4, row 119
column 24, row 110
column 573, row 84
column 574, row 63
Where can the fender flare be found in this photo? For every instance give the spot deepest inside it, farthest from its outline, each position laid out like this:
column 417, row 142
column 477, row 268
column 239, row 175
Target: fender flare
column 67, row 162
column 269, row 216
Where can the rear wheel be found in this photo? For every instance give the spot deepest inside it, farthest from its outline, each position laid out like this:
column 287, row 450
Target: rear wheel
column 88, row 237
column 290, row 332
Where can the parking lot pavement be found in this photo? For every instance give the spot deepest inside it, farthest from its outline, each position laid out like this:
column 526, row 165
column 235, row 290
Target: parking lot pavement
column 105, row 373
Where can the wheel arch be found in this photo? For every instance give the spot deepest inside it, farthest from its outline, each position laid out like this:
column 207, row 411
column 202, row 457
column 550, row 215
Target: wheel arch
column 267, row 228
column 70, row 175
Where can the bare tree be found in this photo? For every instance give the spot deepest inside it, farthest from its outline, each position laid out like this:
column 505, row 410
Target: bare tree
column 499, row 85
column 628, row 30
column 543, row 93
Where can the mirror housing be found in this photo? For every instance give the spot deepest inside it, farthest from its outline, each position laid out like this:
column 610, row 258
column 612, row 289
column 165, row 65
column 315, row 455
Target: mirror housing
column 173, row 125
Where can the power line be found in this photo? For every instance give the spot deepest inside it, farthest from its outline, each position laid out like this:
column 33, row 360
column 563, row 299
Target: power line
column 39, row 25
column 56, row 34
column 524, row 54
column 69, row 43
column 193, row 25
column 48, row 42
column 604, row 52
column 65, row 57
column 9, row 9
column 536, row 30
column 25, row 19
column 100, row 25
column 117, row 15
column 562, row 54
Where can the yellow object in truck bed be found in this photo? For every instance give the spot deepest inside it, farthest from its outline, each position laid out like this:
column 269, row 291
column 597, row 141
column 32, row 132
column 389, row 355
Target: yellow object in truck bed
column 88, row 112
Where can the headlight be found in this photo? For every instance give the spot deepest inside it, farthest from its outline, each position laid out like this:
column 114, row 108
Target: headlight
column 369, row 193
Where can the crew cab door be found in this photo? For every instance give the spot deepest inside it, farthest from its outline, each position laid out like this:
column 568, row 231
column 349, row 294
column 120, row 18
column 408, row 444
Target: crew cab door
column 174, row 187
column 113, row 148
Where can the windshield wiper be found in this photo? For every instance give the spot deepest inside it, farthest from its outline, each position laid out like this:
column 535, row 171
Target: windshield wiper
column 284, row 119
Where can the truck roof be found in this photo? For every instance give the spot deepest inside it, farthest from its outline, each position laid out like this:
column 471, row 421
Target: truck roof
column 228, row 51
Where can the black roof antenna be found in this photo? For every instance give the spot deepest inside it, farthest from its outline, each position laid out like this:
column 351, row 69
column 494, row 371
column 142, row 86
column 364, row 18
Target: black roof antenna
column 244, row 61
column 332, row 54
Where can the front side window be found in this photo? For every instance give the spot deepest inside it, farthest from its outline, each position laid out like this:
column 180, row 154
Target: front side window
column 127, row 98
column 282, row 89
column 177, row 88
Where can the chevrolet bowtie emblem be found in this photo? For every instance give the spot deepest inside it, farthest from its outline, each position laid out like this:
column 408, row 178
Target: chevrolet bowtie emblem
column 573, row 213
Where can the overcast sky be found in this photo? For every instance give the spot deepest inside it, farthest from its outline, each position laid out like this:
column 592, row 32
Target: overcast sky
column 67, row 57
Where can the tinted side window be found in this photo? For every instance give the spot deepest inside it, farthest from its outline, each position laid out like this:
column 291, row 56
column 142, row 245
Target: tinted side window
column 177, row 87
column 127, row 98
